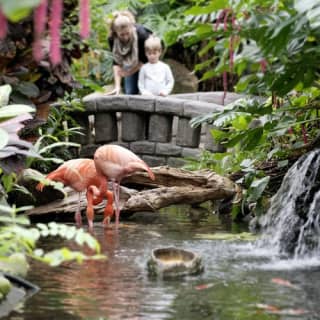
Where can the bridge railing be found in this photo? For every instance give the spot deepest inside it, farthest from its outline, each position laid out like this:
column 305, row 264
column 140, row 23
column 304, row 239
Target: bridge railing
column 155, row 128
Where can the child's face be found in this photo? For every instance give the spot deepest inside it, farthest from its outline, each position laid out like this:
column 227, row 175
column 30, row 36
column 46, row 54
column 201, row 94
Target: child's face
column 153, row 55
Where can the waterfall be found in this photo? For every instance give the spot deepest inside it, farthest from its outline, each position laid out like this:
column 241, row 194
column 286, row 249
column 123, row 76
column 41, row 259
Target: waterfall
column 291, row 225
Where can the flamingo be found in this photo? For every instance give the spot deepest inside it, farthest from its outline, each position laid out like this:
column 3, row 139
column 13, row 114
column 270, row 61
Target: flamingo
column 116, row 162
column 81, row 175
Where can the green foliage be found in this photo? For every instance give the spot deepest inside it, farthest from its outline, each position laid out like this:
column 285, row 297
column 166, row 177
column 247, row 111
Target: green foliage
column 53, row 144
column 256, row 130
column 17, row 10
column 18, row 236
column 242, row 34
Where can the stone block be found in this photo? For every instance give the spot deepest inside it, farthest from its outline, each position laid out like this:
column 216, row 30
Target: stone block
column 90, row 104
column 186, row 96
column 195, row 108
column 176, row 162
column 209, row 143
column 191, row 153
column 167, row 105
column 104, row 103
column 106, row 129
column 143, row 147
column 120, row 102
column 141, row 103
column 153, row 161
column 160, row 128
column 168, row 149
column 88, row 150
column 187, row 136
column 133, row 126
column 217, row 97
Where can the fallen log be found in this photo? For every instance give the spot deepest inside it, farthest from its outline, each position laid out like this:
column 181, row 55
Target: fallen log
column 171, row 186
column 174, row 177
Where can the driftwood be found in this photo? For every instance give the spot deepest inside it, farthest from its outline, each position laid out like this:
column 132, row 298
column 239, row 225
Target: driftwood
column 171, row 186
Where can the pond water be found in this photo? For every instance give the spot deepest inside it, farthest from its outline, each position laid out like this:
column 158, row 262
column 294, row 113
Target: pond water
column 239, row 282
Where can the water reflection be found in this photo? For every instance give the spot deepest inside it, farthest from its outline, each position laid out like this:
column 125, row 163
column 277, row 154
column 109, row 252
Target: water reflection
column 235, row 285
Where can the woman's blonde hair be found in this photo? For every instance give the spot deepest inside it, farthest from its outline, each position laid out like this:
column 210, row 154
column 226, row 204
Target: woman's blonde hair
column 120, row 20
column 153, row 43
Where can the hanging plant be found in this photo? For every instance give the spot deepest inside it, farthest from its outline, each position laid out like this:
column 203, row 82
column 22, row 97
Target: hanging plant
column 15, row 11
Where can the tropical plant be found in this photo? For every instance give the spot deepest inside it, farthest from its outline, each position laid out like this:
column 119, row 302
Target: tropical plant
column 271, row 49
column 53, row 143
column 16, row 233
column 19, row 237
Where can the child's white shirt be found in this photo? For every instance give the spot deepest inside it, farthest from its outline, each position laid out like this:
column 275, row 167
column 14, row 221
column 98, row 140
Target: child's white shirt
column 155, row 78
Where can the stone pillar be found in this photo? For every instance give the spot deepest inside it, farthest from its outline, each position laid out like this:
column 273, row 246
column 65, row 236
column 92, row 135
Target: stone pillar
column 209, row 143
column 133, row 126
column 160, row 128
column 105, row 124
column 187, row 136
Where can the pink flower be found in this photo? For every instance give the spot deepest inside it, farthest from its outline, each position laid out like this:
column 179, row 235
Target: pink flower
column 231, row 52
column 3, row 25
column 55, row 23
column 263, row 65
column 39, row 23
column 84, row 18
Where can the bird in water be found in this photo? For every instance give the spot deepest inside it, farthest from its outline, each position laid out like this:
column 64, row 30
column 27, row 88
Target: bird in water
column 115, row 163
column 81, row 175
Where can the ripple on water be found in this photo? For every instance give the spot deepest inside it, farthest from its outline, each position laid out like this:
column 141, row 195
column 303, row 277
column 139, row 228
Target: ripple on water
column 237, row 278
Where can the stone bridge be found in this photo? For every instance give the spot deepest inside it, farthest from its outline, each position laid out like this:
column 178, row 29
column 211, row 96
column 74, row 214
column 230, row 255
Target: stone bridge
column 155, row 128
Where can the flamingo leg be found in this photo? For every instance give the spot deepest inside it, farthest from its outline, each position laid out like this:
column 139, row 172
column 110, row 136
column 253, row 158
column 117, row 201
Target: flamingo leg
column 90, row 211
column 116, row 191
column 77, row 216
column 108, row 210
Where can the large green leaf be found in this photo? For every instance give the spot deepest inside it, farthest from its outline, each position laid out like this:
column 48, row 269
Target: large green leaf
column 213, row 6
column 17, row 10
column 28, row 89
column 305, row 5
column 256, row 188
column 14, row 110
column 252, row 138
column 5, row 91
column 4, row 138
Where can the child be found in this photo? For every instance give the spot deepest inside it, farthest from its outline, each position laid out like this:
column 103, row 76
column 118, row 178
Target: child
column 155, row 77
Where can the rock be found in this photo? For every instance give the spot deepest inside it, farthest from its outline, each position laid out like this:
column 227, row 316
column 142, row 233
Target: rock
column 185, row 80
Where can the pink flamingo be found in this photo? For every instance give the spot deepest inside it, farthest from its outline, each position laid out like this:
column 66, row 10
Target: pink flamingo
column 81, row 175
column 116, row 162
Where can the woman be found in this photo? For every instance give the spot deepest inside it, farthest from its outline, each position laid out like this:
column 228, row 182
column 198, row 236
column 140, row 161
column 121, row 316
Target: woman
column 127, row 45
